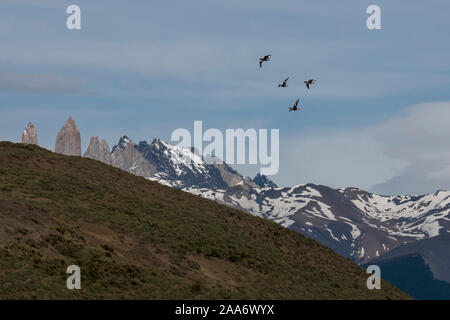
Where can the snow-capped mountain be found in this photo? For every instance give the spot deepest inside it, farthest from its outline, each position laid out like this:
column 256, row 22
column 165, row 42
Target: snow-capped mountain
column 264, row 182
column 355, row 223
column 174, row 166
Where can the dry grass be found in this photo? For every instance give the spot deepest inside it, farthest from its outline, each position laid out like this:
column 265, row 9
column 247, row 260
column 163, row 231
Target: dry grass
column 136, row 239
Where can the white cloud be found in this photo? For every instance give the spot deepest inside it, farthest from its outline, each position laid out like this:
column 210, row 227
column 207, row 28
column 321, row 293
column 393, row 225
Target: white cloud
column 421, row 137
column 420, row 134
column 409, row 153
column 337, row 160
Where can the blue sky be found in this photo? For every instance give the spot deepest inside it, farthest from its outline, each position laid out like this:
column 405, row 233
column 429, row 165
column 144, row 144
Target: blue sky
column 145, row 68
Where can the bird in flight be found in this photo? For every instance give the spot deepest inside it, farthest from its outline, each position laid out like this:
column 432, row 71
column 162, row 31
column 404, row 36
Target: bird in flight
column 309, row 82
column 284, row 84
column 295, row 107
column 265, row 59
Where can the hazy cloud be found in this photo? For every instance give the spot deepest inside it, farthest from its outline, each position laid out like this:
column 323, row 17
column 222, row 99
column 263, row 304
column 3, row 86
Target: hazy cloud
column 421, row 138
column 349, row 158
column 409, row 153
column 39, row 83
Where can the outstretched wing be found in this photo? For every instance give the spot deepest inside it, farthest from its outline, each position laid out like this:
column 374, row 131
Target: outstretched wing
column 296, row 102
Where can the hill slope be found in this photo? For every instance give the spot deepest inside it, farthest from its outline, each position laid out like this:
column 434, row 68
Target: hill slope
column 135, row 238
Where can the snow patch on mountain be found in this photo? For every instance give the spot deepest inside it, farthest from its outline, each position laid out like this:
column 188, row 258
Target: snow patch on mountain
column 353, row 222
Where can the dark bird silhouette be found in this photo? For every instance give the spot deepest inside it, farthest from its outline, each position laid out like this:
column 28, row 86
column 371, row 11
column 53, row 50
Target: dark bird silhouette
column 284, row 84
column 265, row 59
column 295, row 107
column 309, row 82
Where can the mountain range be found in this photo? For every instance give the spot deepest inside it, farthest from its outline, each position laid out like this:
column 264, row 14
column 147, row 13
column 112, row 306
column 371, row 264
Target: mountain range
column 133, row 238
column 362, row 226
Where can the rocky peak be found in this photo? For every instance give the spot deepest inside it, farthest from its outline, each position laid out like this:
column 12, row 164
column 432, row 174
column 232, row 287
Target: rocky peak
column 68, row 141
column 29, row 135
column 98, row 150
column 126, row 156
column 264, row 182
column 174, row 165
column 122, row 144
column 356, row 194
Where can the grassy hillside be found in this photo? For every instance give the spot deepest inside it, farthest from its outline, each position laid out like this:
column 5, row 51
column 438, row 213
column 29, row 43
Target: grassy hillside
column 134, row 238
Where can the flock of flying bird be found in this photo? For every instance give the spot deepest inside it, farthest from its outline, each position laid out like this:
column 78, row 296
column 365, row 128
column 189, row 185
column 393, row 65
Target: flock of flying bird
column 308, row 83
